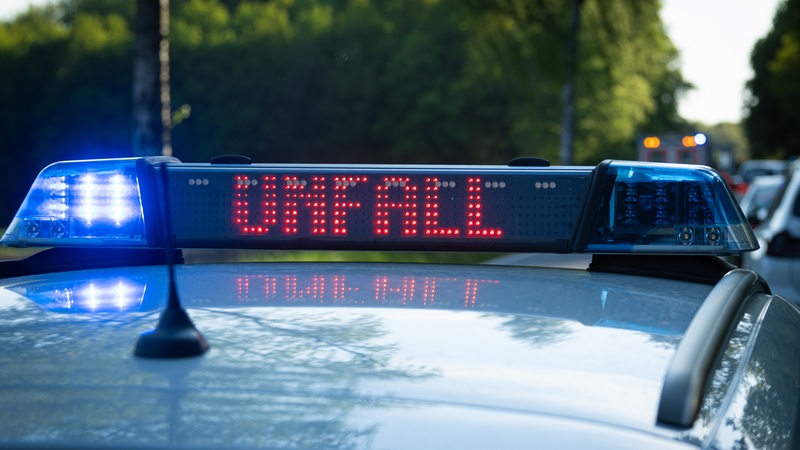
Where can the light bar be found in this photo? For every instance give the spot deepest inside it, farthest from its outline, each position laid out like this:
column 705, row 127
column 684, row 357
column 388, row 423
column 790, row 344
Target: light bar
column 81, row 203
column 666, row 208
column 614, row 207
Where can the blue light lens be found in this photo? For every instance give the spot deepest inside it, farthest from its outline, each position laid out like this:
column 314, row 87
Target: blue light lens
column 79, row 203
column 668, row 208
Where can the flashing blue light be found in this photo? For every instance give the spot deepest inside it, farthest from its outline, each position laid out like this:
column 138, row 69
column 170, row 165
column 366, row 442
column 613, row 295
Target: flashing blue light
column 700, row 139
column 668, row 208
column 79, row 203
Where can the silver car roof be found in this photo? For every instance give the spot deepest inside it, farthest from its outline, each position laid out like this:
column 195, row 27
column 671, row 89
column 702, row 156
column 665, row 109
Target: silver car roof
column 345, row 355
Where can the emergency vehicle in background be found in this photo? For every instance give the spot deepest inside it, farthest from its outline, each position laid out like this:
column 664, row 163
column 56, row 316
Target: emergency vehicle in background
column 675, row 148
column 690, row 149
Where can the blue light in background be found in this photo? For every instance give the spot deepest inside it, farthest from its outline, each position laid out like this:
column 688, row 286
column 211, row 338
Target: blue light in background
column 700, row 139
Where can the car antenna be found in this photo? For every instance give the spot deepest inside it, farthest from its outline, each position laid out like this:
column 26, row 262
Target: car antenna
column 175, row 336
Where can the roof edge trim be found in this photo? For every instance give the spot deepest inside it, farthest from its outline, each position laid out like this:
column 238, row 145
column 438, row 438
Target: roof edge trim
column 697, row 351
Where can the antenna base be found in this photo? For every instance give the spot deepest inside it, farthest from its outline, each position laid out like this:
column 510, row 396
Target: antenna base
column 175, row 336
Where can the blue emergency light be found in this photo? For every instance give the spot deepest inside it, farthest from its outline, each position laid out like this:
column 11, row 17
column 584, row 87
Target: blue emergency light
column 616, row 207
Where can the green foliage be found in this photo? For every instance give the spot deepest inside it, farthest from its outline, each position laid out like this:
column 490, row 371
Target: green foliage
column 773, row 120
column 728, row 139
column 38, row 26
column 439, row 81
column 65, row 87
column 626, row 76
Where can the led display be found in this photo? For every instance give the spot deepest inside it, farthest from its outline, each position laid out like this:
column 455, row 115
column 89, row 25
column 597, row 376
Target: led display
column 324, row 206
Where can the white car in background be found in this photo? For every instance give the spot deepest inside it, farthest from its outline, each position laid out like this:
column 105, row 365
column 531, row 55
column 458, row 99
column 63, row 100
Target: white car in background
column 778, row 259
column 760, row 196
column 753, row 168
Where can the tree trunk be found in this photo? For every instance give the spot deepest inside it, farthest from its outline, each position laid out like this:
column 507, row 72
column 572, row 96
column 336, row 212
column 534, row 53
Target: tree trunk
column 151, row 96
column 568, row 95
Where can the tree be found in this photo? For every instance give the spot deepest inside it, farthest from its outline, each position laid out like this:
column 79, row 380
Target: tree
column 65, row 83
column 627, row 78
column 729, row 144
column 151, row 92
column 772, row 122
column 415, row 81
column 568, row 121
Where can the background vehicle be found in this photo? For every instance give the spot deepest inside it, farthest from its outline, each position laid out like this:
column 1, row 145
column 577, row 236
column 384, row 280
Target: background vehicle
column 753, row 168
column 675, row 148
column 778, row 258
column 760, row 196
column 659, row 344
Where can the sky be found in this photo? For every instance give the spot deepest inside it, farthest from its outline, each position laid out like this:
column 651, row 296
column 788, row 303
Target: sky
column 714, row 37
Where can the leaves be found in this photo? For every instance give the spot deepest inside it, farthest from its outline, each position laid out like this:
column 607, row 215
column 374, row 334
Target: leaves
column 773, row 119
column 436, row 81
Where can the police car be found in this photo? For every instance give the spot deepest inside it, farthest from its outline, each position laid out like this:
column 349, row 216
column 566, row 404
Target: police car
column 111, row 340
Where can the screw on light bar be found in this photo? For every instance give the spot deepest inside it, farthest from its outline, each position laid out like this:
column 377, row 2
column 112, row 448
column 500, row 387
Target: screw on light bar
column 616, row 207
column 95, row 202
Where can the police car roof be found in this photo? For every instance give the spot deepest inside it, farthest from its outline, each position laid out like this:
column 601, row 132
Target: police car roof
column 349, row 354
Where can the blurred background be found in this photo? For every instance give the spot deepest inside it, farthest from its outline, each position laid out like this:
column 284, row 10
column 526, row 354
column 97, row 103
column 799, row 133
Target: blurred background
column 408, row 81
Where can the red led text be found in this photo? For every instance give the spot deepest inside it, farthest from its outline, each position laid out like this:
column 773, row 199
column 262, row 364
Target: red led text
column 378, row 289
column 386, row 206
